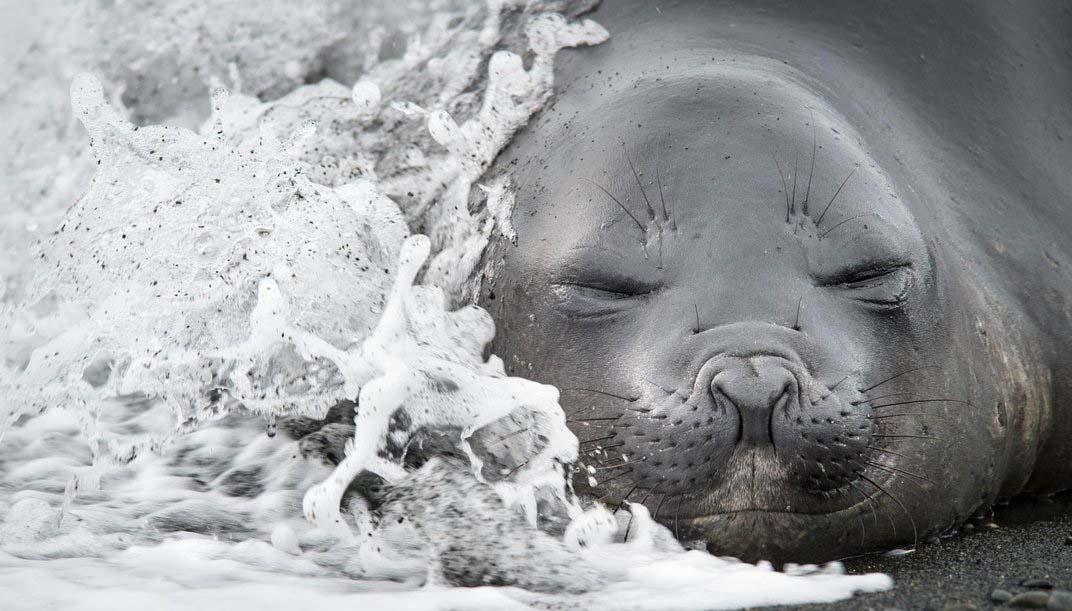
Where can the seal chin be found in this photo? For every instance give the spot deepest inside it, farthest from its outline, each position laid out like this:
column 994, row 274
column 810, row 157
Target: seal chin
column 759, row 512
column 754, row 534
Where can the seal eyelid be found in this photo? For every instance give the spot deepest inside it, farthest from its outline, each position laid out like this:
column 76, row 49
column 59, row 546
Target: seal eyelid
column 865, row 276
column 883, row 286
column 596, row 299
column 607, row 289
column 583, row 301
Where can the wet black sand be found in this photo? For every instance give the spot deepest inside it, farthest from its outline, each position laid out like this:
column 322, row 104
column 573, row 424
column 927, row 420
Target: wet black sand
column 1030, row 539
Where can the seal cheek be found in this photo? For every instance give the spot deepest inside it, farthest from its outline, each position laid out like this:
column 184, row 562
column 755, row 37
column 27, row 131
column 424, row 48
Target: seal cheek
column 824, row 441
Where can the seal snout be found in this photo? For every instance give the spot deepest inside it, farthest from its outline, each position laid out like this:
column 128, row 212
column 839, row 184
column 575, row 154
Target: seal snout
column 756, row 431
column 757, row 388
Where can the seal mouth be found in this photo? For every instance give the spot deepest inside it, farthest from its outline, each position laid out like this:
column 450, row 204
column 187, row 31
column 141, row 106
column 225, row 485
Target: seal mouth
column 757, row 511
column 752, row 433
column 751, row 429
column 862, row 502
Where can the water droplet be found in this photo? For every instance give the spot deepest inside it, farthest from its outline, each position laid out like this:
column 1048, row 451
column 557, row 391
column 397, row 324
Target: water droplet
column 366, row 96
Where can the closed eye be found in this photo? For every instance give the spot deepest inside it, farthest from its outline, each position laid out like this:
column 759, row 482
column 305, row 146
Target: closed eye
column 886, row 285
column 598, row 298
column 599, row 292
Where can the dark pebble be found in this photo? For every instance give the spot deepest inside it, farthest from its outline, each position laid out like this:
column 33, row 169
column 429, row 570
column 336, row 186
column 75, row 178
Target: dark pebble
column 1068, row 540
column 1030, row 600
column 1001, row 596
column 1037, row 584
column 1060, row 600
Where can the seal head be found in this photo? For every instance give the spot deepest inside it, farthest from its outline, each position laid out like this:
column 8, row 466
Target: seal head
column 751, row 320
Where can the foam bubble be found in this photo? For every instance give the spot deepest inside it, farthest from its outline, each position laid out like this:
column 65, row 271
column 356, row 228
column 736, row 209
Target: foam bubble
column 366, row 96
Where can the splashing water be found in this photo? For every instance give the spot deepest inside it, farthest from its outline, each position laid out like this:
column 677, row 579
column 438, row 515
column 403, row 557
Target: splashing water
column 266, row 264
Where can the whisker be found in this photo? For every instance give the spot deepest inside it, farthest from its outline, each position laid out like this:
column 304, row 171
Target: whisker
column 894, row 377
column 629, row 524
column 807, row 192
column 921, row 401
column 823, row 234
column 796, row 323
column 662, row 198
column 507, row 436
column 602, row 392
column 696, row 308
column 611, row 479
column 677, row 513
column 640, row 226
column 646, row 497
column 894, row 416
column 658, row 507
column 515, row 469
column 621, row 503
column 617, row 466
column 585, row 408
column 669, row 391
column 599, row 438
column 859, row 516
column 896, row 470
column 835, row 196
column 595, row 419
column 905, row 437
column 915, row 533
column 832, row 389
column 785, row 187
column 651, row 211
column 887, row 451
column 660, row 265
column 878, row 398
column 871, row 504
column 793, row 199
column 839, row 383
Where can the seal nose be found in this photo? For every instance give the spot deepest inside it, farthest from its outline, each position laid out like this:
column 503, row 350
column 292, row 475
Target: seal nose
column 756, row 389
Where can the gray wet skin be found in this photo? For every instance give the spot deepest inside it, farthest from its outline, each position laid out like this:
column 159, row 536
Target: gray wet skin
column 805, row 294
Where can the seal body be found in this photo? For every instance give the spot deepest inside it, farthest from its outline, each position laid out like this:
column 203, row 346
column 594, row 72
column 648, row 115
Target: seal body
column 802, row 274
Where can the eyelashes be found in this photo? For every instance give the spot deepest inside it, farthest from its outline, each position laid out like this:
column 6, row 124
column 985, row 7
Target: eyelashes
column 599, row 298
column 885, row 286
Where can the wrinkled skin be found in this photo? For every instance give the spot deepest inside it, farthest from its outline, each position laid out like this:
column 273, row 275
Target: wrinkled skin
column 804, row 296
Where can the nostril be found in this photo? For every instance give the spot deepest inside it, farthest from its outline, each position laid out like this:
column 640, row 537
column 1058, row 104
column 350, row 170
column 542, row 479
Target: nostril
column 750, row 393
column 757, row 389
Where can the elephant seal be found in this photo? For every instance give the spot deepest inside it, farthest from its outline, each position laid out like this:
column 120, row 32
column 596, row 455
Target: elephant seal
column 801, row 272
